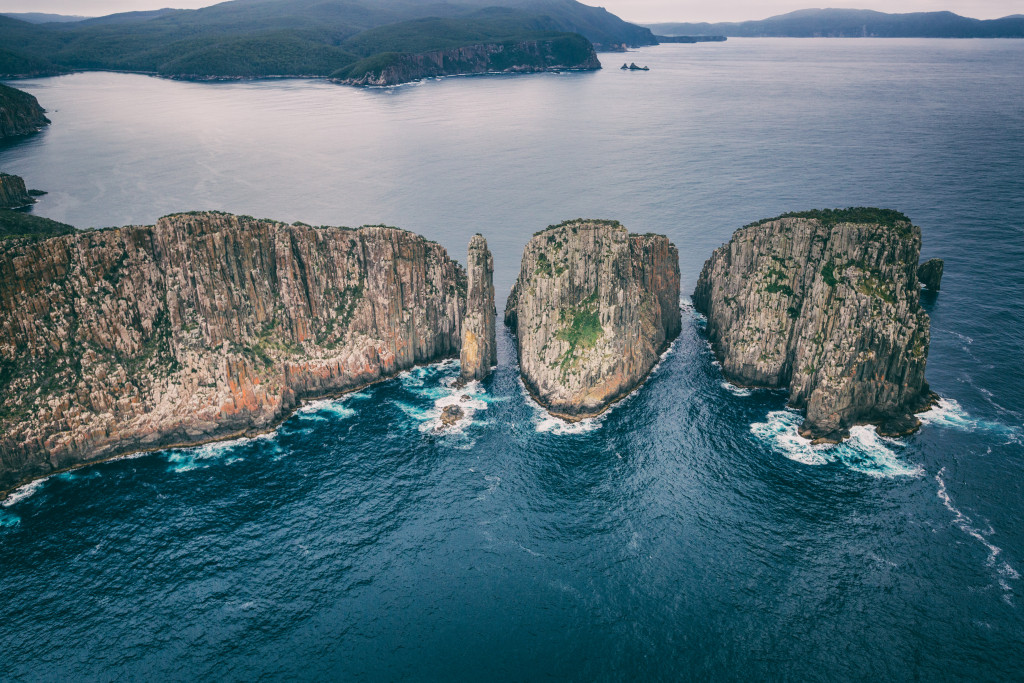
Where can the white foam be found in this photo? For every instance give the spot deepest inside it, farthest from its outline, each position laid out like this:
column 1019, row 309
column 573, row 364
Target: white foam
column 188, row 459
column 23, row 492
column 947, row 413
column 545, row 422
column 1004, row 571
column 319, row 410
column 735, row 390
column 471, row 399
column 865, row 451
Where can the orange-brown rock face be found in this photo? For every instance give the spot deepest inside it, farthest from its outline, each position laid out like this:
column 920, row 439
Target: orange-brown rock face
column 204, row 326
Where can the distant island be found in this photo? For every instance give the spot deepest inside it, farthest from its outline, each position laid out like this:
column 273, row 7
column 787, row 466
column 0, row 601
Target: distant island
column 854, row 23
column 355, row 42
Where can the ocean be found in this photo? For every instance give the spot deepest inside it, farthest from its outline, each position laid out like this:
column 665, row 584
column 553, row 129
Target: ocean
column 688, row 533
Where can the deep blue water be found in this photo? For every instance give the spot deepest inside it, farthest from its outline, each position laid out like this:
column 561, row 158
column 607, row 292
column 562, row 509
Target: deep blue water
column 687, row 534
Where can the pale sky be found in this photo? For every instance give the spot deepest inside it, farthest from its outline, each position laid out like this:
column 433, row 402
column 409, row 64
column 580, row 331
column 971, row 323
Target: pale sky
column 648, row 11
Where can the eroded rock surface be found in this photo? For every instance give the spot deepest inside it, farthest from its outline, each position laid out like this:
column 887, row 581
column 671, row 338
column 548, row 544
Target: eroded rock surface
column 203, row 326
column 479, row 346
column 827, row 304
column 20, row 113
column 592, row 309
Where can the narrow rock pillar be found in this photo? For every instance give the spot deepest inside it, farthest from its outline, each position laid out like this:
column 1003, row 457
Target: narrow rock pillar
column 479, row 347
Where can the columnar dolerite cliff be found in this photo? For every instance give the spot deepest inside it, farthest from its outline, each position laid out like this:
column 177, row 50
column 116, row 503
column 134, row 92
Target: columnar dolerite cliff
column 592, row 310
column 203, row 326
column 479, row 346
column 13, row 193
column 20, row 113
column 826, row 303
column 567, row 52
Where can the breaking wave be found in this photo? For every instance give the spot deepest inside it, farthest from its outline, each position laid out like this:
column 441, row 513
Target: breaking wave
column 23, row 492
column 949, row 414
column 865, row 451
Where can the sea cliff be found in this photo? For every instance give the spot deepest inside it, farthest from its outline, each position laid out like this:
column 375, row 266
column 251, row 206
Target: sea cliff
column 592, row 310
column 570, row 52
column 20, row 113
column 204, row 326
column 13, row 193
column 826, row 304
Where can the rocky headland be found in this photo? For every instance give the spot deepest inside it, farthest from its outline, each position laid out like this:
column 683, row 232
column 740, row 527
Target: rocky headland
column 479, row 345
column 592, row 310
column 13, row 193
column 826, row 304
column 20, row 113
column 204, row 326
column 565, row 53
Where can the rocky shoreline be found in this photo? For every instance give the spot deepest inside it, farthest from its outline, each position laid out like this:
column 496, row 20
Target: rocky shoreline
column 209, row 326
column 533, row 56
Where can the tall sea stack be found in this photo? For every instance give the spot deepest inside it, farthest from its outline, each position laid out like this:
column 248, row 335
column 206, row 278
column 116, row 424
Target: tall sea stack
column 592, row 310
column 479, row 347
column 827, row 304
column 204, row 326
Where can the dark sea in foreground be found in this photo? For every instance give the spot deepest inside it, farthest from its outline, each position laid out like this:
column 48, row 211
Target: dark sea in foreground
column 687, row 534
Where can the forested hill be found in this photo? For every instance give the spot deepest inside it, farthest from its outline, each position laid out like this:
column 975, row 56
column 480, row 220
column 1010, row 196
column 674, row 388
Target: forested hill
column 253, row 38
column 851, row 23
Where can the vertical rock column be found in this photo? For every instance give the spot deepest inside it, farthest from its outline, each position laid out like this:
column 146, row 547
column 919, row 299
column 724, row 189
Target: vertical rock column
column 479, row 348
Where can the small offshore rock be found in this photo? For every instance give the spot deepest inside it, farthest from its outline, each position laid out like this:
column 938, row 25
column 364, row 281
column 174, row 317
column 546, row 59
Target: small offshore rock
column 930, row 273
column 450, row 415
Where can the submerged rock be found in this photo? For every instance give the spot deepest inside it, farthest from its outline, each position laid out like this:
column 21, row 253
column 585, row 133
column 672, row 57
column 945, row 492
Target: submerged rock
column 13, row 193
column 479, row 345
column 827, row 304
column 930, row 273
column 592, row 310
column 20, row 113
column 204, row 326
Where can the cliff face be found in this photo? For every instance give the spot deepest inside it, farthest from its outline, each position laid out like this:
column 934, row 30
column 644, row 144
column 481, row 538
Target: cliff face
column 828, row 305
column 13, row 193
column 592, row 310
column 20, row 113
column 479, row 345
column 519, row 57
column 203, row 326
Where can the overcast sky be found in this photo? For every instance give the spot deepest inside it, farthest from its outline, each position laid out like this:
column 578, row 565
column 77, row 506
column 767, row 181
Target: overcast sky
column 631, row 10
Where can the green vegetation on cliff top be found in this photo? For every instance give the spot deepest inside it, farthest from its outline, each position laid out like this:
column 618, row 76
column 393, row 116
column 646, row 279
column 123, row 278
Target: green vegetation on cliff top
column 18, row 224
column 855, row 214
